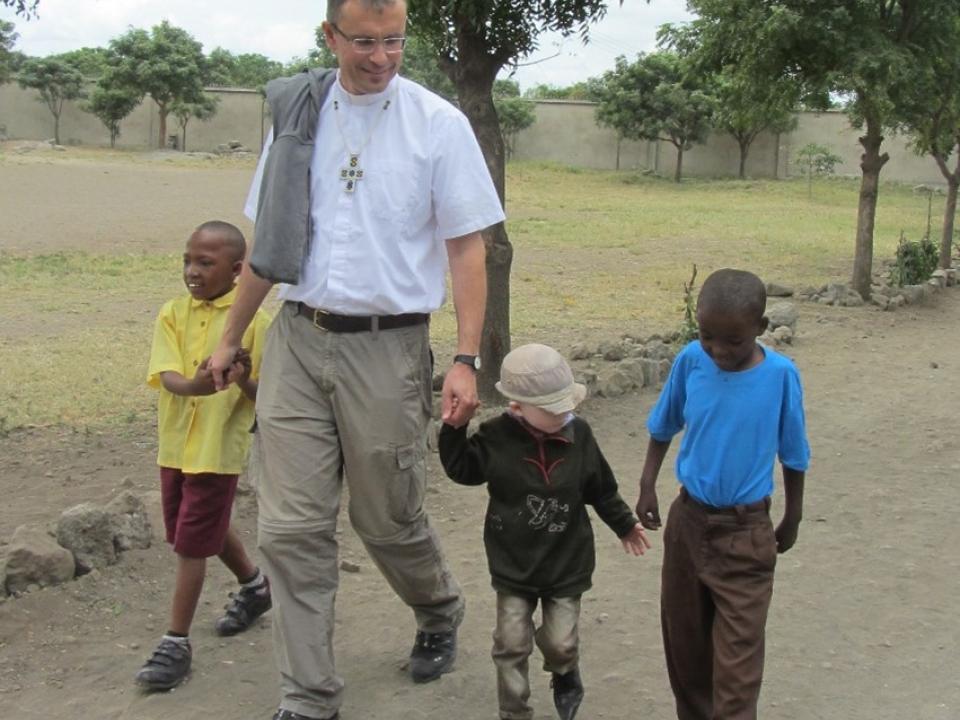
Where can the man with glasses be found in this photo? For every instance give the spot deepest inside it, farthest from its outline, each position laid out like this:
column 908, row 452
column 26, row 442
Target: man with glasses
column 369, row 187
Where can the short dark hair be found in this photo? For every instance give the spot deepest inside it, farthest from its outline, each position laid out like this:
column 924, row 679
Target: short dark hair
column 229, row 233
column 333, row 7
column 733, row 292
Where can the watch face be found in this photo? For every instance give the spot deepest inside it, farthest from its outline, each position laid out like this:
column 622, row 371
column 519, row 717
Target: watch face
column 471, row 360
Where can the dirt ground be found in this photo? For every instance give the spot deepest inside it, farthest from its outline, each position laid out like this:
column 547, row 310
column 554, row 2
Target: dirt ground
column 864, row 619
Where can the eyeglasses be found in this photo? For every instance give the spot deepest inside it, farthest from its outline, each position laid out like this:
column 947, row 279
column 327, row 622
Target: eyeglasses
column 366, row 45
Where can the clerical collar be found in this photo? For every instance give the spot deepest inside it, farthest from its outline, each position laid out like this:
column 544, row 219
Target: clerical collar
column 368, row 98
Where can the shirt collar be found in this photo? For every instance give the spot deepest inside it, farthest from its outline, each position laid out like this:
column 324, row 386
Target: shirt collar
column 224, row 301
column 564, row 434
column 367, row 98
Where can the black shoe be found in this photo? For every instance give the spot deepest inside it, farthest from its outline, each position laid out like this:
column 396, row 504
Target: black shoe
column 244, row 607
column 289, row 715
column 567, row 693
column 433, row 655
column 167, row 667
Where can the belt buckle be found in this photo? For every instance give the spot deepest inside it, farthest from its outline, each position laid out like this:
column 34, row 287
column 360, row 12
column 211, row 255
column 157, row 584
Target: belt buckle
column 317, row 314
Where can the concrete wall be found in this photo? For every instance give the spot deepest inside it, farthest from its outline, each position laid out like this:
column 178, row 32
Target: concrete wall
column 564, row 132
column 27, row 118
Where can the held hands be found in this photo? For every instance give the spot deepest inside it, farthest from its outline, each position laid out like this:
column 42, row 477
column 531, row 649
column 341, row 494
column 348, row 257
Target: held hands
column 460, row 399
column 220, row 364
column 648, row 510
column 635, row 542
column 240, row 368
column 202, row 381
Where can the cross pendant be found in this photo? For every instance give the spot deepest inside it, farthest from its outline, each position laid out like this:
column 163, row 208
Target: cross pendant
column 351, row 174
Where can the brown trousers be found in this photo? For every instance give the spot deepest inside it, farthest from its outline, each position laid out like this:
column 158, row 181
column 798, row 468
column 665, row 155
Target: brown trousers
column 716, row 587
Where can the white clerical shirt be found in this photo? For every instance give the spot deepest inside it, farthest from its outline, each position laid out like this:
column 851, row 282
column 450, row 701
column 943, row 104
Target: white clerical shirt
column 379, row 250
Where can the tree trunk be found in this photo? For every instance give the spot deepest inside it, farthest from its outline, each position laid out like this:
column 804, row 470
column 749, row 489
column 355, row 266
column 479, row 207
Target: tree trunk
column 162, row 109
column 473, row 76
column 950, row 212
column 871, row 162
column 744, row 149
column 679, row 171
column 946, row 243
column 56, row 128
column 113, row 139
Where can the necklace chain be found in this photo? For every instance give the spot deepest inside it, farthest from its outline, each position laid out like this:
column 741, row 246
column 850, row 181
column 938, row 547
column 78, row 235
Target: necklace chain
column 373, row 129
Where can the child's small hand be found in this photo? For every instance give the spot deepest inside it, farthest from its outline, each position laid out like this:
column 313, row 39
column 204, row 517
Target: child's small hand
column 635, row 542
column 786, row 534
column 648, row 510
column 203, row 380
column 240, row 368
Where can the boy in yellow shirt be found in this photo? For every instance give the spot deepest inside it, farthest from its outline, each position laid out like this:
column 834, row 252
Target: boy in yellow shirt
column 204, row 438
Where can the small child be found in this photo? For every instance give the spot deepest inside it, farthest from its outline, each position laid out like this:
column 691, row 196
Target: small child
column 542, row 466
column 204, row 437
column 740, row 406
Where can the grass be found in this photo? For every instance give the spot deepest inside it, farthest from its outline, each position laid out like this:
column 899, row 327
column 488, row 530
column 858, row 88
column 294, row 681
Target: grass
column 598, row 252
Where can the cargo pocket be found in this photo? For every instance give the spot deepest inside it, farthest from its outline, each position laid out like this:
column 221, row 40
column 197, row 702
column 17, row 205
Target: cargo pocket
column 408, row 484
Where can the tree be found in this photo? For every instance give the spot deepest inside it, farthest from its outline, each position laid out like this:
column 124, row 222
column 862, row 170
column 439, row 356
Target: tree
column 869, row 50
column 933, row 120
column 203, row 109
column 421, row 64
column 56, row 81
column 26, row 8
column 167, row 64
column 515, row 114
column 656, row 98
column 474, row 40
column 110, row 106
column 91, row 62
column 7, row 40
column 816, row 161
column 247, row 70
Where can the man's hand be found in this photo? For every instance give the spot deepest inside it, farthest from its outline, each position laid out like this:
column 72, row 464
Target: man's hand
column 460, row 399
column 635, row 542
column 202, row 382
column 786, row 533
column 648, row 510
column 220, row 362
column 241, row 367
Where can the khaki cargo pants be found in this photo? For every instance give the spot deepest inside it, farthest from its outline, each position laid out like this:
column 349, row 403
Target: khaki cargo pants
column 335, row 406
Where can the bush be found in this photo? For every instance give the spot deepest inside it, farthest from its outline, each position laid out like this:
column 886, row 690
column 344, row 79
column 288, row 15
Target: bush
column 915, row 262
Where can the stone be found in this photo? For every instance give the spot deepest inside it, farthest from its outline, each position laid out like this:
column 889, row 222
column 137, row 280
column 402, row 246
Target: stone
column 783, row 314
column 651, row 372
column 350, row 567
column 87, row 531
column 612, row 351
column 912, row 294
column 34, row 557
column 613, row 383
column 778, row 290
column 633, row 369
column 783, row 335
column 581, row 351
column 658, row 350
column 131, row 526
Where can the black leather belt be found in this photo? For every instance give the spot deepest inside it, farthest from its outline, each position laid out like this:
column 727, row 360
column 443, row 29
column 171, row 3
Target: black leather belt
column 323, row 320
column 760, row 505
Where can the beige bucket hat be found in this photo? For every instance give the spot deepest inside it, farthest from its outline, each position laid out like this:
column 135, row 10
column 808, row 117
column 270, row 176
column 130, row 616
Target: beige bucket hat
column 538, row 375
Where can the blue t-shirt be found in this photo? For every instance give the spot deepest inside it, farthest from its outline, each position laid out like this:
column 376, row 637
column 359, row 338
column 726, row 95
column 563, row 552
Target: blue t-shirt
column 735, row 425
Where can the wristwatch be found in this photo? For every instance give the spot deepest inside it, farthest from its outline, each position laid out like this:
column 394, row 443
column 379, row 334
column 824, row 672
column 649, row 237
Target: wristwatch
column 471, row 360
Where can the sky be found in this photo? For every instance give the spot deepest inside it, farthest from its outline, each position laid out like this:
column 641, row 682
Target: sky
column 283, row 29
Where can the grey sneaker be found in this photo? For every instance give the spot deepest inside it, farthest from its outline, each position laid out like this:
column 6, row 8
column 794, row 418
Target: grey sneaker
column 167, row 667
column 244, row 607
column 290, row 715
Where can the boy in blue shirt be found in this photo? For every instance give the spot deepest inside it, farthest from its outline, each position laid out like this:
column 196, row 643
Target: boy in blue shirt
column 740, row 406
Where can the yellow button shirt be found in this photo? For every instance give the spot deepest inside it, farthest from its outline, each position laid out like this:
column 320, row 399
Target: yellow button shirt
column 209, row 433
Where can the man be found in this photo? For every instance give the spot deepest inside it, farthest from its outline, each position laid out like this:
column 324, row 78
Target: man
column 393, row 188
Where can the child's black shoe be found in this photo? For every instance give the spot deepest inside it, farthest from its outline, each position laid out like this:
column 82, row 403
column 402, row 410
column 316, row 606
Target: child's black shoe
column 567, row 693
column 244, row 607
column 167, row 667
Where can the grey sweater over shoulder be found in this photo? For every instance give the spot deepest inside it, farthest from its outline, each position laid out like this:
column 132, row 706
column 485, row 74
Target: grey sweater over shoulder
column 283, row 226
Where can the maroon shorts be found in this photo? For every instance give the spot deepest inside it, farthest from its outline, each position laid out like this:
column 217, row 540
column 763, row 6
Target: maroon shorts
column 196, row 510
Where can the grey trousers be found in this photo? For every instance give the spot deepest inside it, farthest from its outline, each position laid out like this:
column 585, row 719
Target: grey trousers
column 557, row 637
column 335, row 406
